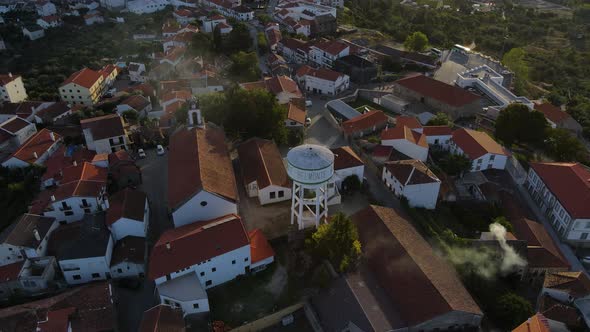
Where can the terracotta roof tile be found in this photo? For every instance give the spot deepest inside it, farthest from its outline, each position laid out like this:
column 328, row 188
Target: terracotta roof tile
column 345, row 157
column 39, row 143
column 85, row 78
column 445, row 93
column 405, row 133
column 321, row 73
column 570, row 183
column 332, row 47
column 83, row 180
column 537, row 323
column 136, row 102
column 14, row 124
column 560, row 312
column 195, row 243
column 420, row 284
column 552, row 113
column 127, row 203
column 56, row 320
column 576, row 284
column 261, row 161
column 367, row 121
column 21, row 232
column 296, row 114
column 408, row 121
column 11, row 271
column 437, row 130
column 199, row 160
column 129, row 249
column 54, row 110
column 260, row 249
column 7, row 78
column 410, row 172
column 105, row 126
column 281, row 84
column 476, row 143
column 162, row 318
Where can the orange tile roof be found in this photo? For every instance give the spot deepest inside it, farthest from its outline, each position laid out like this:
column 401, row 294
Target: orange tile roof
column 345, row 157
column 569, row 182
column 11, row 271
column 576, row 284
column 295, row 113
column 321, row 73
column 83, row 180
column 437, row 130
column 126, row 203
column 408, row 121
column 552, row 113
column 105, row 126
column 537, row 323
column 443, row 92
column 56, row 320
column 38, row 143
column 406, row 133
column 199, row 160
column 85, row 78
column 182, row 94
column 476, row 143
column 366, row 121
column 260, row 249
column 261, row 161
column 59, row 160
column 333, row 47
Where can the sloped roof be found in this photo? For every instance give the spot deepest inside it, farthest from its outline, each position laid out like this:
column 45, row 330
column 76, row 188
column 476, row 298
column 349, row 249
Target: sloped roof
column 127, row 203
column 541, row 250
column 21, row 232
column 365, row 121
column 260, row 249
column 570, row 183
column 105, row 126
column 195, row 243
column 537, row 323
column 129, row 249
column 321, row 73
column 54, row 110
column 136, row 102
column 63, row 158
column 261, row 161
column 403, row 132
column 408, row 121
column 7, row 78
column 199, row 160
column 56, row 320
column 332, row 47
column 476, row 143
column 85, row 77
column 14, row 124
column 410, row 172
column 182, row 94
column 437, row 130
column 82, row 180
column 345, row 157
column 11, row 271
column 38, row 143
column 162, row 318
column 295, row 113
column 445, row 93
column 575, row 284
column 421, row 285
column 552, row 113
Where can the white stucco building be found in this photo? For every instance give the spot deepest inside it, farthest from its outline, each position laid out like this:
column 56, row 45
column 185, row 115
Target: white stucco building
column 140, row 7
column 324, row 54
column 410, row 142
column 106, row 134
column 33, row 31
column 561, row 192
column 322, row 81
column 263, row 171
column 128, row 259
column 413, row 180
column 12, row 89
column 45, row 8
column 347, row 163
column 128, row 214
column 35, row 150
column 18, row 129
column 480, row 148
column 137, row 72
column 438, row 136
column 84, row 87
column 26, row 238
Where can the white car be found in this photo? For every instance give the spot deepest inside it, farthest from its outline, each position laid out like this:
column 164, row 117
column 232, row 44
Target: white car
column 160, row 150
column 308, row 103
column 307, row 121
column 141, row 153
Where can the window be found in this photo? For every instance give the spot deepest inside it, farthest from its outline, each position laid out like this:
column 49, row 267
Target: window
column 120, row 270
column 95, row 275
column 203, row 203
column 208, row 283
column 76, row 277
column 492, row 157
column 69, row 213
column 202, row 274
column 584, row 236
column 233, row 262
column 273, row 195
column 479, row 161
column 214, row 269
column 84, row 202
column 246, row 259
column 87, row 211
column 281, row 193
column 168, row 278
column 195, row 305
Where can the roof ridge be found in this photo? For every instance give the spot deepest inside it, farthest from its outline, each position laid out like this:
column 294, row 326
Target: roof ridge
column 263, row 161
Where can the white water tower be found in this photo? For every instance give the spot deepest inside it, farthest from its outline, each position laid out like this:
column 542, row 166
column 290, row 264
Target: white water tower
column 310, row 167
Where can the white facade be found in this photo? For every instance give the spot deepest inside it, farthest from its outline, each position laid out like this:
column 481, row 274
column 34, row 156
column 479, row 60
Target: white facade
column 21, row 136
column 46, row 9
column 14, row 91
column 323, row 86
column 408, row 148
column 341, row 174
column 10, row 253
column 146, row 6
column 73, row 208
column 127, row 270
column 422, row 195
column 129, row 227
column 106, row 145
column 138, row 75
column 49, row 23
column 443, row 141
column 210, row 24
column 13, row 162
column 325, row 59
column 33, row 33
column 84, row 270
column 487, row 161
column 203, row 206
column 270, row 194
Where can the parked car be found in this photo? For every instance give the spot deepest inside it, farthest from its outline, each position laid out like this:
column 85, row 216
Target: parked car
column 307, row 122
column 308, row 103
column 160, row 150
column 586, row 260
column 141, row 153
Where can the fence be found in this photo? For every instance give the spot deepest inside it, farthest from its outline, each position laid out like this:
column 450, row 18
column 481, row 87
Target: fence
column 269, row 320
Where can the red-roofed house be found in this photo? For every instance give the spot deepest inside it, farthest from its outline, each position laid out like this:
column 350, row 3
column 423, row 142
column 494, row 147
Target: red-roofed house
column 51, row 21
column 128, row 259
column 128, row 214
column 61, row 159
column 325, row 53
column 558, row 118
column 201, row 181
column 82, row 190
column 106, row 134
column 82, row 87
column 140, row 104
column 452, row 100
column 187, row 260
column 566, row 287
column 12, row 88
column 35, row 150
column 562, row 192
column 263, row 171
column 109, row 74
column 365, row 124
column 439, row 136
column 413, row 180
column 403, row 139
column 480, row 148
column 539, row 323
column 26, row 238
column 322, row 81
column 295, row 116
column 346, row 163
column 283, row 87
column 27, row 277
column 19, row 129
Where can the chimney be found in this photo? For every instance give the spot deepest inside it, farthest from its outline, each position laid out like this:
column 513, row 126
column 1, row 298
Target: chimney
column 52, row 135
column 168, row 245
column 53, row 198
column 75, row 163
column 35, row 155
column 36, row 234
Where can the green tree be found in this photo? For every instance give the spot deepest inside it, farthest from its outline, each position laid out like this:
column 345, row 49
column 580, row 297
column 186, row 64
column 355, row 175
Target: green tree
column 244, row 67
column 201, row 44
column 516, row 123
column 181, row 115
column 239, row 39
column 563, row 146
column 351, row 183
column 511, row 310
column 262, row 44
column 440, row 119
column 337, row 241
column 455, row 164
column 416, row 42
column 515, row 61
column 130, row 116
column 264, row 18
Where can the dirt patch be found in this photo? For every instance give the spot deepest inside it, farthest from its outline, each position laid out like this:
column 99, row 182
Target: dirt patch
column 278, row 282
